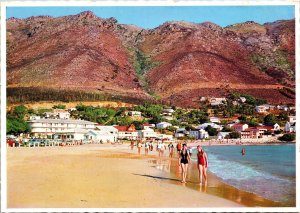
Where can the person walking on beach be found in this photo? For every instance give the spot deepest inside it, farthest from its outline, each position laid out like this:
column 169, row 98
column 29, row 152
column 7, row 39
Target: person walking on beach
column 139, row 145
column 184, row 159
column 202, row 164
column 151, row 146
column 132, row 145
column 178, row 146
column 171, row 149
column 146, row 148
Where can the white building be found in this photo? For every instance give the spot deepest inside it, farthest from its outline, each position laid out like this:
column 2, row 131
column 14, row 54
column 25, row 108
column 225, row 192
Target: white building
column 292, row 119
column 264, row 108
column 57, row 113
column 99, row 136
column 163, row 125
column 60, row 128
column 148, row 126
column 290, row 127
column 34, row 117
column 213, row 125
column 164, row 136
column 199, row 134
column 147, row 133
column 110, row 129
column 168, row 112
column 214, row 120
column 222, row 135
column 134, row 113
column 216, row 101
column 243, row 99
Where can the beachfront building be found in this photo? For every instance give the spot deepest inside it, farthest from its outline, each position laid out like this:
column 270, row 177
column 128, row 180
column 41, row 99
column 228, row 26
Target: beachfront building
column 213, row 125
column 222, row 135
column 127, row 132
column 60, row 128
column 57, row 113
column 165, row 137
column 214, row 120
column 199, row 134
column 163, row 125
column 147, row 133
column 252, row 132
column 110, row 129
column 292, row 119
column 100, row 136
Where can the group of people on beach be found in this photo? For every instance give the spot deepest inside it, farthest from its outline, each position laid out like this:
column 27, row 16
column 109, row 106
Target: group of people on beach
column 184, row 156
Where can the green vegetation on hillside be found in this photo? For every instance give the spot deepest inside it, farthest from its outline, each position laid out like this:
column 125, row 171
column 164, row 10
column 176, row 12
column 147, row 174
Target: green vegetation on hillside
column 277, row 60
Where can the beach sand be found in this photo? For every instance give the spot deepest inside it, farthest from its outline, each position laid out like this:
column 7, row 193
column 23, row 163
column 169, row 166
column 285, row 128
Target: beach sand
column 106, row 176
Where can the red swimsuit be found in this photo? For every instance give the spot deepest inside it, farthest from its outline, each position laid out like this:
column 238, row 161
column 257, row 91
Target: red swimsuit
column 201, row 159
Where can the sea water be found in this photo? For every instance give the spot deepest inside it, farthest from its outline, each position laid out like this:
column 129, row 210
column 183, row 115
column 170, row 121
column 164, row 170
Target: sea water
column 266, row 170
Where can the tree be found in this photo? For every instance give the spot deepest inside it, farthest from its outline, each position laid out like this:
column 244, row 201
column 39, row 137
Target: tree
column 59, row 106
column 270, row 119
column 287, row 137
column 227, row 129
column 211, row 131
column 234, row 135
column 242, row 118
column 252, row 123
column 20, row 111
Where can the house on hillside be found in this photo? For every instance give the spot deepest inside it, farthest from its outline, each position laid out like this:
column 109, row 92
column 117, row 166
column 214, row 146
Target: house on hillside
column 214, row 120
column 134, row 113
column 148, row 126
column 213, row 125
column 168, row 112
column 127, row 132
column 243, row 99
column 239, row 127
column 163, row 125
column 57, row 114
column 264, row 108
column 216, row 101
column 180, row 132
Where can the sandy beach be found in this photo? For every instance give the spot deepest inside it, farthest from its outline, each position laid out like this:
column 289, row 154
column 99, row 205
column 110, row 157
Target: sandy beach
column 110, row 176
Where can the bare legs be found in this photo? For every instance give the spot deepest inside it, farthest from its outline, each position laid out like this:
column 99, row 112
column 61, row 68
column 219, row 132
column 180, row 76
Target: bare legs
column 184, row 168
column 202, row 173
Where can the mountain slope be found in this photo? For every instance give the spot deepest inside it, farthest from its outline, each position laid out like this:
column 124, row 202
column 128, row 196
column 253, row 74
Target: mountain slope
column 176, row 62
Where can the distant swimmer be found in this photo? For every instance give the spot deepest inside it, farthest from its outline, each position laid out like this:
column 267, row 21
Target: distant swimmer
column 243, row 151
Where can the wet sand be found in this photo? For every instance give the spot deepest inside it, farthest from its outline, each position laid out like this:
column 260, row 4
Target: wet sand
column 106, row 176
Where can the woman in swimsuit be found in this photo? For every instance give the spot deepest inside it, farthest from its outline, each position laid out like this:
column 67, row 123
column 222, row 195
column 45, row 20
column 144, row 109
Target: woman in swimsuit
column 202, row 164
column 184, row 159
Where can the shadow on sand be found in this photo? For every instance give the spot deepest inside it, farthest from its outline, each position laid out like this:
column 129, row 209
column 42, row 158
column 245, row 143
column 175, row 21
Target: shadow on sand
column 157, row 177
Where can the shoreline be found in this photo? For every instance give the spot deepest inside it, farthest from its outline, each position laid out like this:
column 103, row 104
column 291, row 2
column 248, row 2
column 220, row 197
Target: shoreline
column 158, row 175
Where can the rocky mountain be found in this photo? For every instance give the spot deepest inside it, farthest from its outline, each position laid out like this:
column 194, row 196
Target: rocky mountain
column 175, row 63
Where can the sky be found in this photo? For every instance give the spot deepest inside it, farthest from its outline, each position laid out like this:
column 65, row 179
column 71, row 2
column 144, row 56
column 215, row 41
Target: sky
column 151, row 17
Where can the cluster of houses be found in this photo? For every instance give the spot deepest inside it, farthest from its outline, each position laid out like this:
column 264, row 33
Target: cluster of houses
column 59, row 125
column 267, row 107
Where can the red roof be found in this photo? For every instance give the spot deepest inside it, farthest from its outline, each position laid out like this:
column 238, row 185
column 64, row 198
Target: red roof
column 238, row 125
column 147, row 124
column 130, row 128
column 265, row 127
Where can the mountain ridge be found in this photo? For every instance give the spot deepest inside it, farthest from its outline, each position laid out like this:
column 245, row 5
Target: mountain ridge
column 86, row 53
